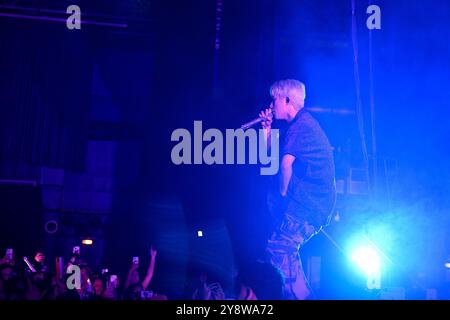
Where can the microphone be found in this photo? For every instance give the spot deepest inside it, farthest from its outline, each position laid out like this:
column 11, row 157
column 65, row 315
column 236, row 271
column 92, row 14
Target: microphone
column 255, row 121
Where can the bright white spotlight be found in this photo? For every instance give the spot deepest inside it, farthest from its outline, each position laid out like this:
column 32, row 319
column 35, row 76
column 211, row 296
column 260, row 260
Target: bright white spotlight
column 199, row 233
column 367, row 259
column 369, row 262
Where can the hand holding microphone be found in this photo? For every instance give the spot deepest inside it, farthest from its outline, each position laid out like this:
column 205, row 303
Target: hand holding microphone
column 265, row 117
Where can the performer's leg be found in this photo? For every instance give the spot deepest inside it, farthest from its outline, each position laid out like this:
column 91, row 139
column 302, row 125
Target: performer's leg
column 282, row 249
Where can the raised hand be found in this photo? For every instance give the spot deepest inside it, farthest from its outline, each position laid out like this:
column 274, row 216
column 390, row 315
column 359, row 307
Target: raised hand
column 216, row 291
column 153, row 252
column 268, row 116
column 39, row 257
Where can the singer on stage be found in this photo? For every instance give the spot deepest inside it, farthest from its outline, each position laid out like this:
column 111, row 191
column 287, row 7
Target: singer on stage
column 305, row 192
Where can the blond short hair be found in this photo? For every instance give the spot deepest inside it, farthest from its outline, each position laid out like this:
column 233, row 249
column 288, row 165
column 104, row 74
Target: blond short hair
column 291, row 88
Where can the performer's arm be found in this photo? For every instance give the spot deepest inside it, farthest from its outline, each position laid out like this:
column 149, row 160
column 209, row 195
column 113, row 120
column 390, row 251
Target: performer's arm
column 267, row 137
column 286, row 173
column 267, row 125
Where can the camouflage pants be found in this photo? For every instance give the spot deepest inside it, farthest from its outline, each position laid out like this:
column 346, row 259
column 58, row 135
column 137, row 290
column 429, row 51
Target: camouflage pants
column 282, row 249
